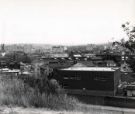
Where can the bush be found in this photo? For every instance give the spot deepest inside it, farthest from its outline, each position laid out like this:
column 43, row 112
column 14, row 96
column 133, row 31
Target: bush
column 17, row 93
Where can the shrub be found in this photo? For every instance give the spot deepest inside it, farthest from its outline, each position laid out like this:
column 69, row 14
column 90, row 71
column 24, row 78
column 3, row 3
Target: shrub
column 16, row 92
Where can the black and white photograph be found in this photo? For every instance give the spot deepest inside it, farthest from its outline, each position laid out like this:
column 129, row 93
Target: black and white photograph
column 67, row 56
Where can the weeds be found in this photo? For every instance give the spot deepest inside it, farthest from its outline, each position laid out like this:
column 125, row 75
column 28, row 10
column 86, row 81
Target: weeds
column 17, row 93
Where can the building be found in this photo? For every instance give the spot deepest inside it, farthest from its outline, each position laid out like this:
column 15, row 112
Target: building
column 13, row 72
column 90, row 47
column 59, row 55
column 130, row 89
column 97, row 81
column 89, row 55
column 58, row 49
column 110, row 63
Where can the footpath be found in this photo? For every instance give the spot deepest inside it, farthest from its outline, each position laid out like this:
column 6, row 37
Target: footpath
column 88, row 109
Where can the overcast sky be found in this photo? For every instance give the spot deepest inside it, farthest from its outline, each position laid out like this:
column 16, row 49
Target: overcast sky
column 64, row 21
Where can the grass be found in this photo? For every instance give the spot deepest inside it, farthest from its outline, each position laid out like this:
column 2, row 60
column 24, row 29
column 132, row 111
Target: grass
column 14, row 92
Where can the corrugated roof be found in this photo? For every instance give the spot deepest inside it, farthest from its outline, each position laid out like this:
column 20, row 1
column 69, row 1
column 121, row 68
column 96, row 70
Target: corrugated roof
column 90, row 69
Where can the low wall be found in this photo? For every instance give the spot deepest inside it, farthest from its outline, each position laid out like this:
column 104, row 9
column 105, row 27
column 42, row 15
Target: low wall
column 117, row 101
column 127, row 102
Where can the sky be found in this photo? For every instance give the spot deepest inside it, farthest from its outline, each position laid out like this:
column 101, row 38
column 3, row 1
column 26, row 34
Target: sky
column 68, row 22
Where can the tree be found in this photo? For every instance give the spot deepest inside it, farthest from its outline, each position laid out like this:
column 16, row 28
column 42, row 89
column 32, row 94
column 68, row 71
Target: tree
column 129, row 44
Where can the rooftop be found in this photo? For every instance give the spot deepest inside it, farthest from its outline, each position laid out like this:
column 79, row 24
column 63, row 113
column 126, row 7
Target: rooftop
column 109, row 69
column 6, row 70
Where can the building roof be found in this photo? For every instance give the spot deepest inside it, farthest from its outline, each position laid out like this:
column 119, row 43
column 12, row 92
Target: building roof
column 87, row 63
column 77, row 55
column 91, row 69
column 79, row 65
column 96, row 58
column 7, row 70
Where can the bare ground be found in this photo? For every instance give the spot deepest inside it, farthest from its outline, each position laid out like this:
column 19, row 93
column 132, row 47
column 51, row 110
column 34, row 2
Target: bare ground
column 85, row 109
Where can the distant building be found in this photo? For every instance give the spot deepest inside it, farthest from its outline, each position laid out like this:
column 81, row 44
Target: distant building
column 87, row 63
column 79, row 65
column 13, row 72
column 89, row 55
column 58, row 49
column 90, row 47
column 3, row 59
column 59, row 55
column 2, row 50
column 110, row 63
column 77, row 56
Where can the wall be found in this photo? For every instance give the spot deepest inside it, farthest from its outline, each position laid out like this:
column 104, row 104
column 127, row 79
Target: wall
column 88, row 80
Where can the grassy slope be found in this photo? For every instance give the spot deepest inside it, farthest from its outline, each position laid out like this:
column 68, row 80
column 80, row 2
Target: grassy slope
column 13, row 92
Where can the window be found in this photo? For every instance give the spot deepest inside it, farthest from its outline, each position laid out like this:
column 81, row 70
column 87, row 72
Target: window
column 74, row 76
column 100, row 78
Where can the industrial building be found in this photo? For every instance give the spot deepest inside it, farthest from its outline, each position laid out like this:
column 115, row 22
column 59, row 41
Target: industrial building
column 97, row 81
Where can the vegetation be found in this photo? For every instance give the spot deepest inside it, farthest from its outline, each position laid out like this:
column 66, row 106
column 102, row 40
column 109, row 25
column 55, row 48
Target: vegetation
column 15, row 92
column 129, row 44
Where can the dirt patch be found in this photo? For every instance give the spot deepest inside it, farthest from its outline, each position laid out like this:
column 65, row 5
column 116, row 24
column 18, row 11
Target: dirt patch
column 86, row 109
